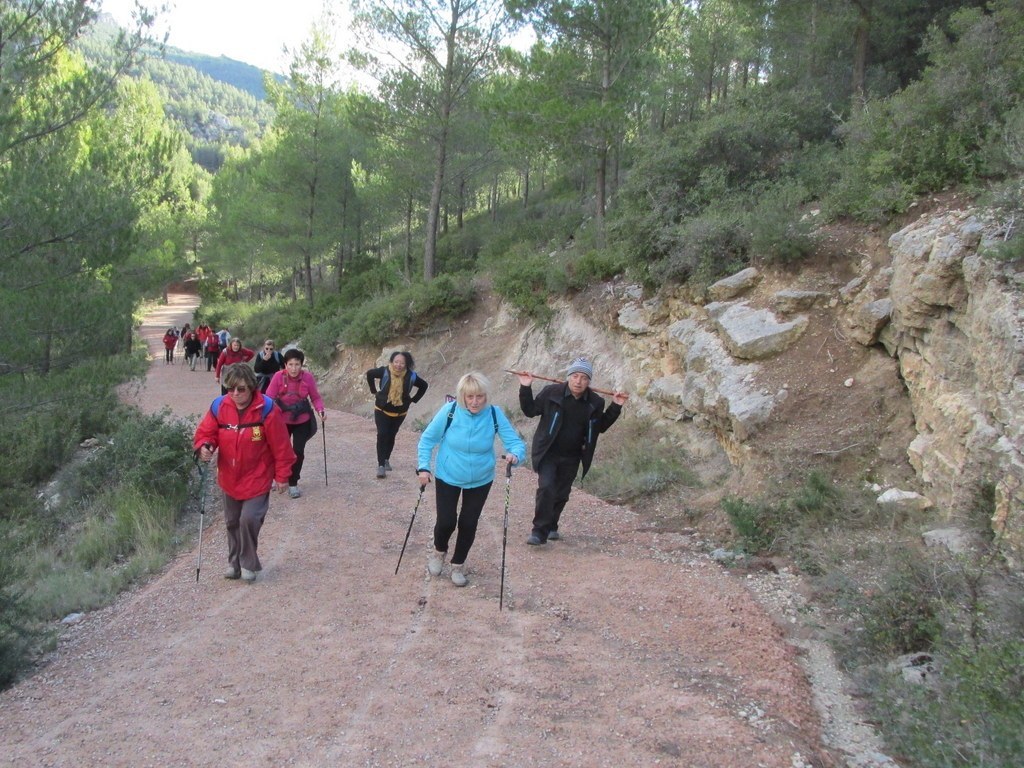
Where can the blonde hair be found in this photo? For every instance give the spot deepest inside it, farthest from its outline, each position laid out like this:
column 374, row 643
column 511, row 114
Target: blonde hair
column 472, row 383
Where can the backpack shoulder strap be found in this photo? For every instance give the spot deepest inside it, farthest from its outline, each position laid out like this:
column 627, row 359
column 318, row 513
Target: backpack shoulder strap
column 451, row 415
column 268, row 404
column 494, row 416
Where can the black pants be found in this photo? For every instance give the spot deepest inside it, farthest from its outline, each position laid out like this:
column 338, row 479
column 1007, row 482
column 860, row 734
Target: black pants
column 448, row 519
column 211, row 360
column 387, row 429
column 300, row 434
column 554, row 483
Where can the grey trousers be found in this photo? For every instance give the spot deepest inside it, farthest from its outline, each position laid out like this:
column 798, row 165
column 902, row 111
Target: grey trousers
column 244, row 520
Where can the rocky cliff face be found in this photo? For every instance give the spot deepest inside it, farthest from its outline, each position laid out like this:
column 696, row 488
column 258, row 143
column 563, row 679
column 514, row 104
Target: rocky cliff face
column 956, row 326
column 950, row 319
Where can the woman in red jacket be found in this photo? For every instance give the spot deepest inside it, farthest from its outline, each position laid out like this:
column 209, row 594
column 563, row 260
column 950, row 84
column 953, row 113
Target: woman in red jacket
column 170, row 342
column 254, row 450
column 233, row 353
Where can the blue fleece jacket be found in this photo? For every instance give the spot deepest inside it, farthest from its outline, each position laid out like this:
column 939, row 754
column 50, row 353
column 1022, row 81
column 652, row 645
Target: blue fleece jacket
column 465, row 456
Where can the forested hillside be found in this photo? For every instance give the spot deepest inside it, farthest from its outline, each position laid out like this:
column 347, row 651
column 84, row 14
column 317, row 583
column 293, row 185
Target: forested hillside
column 669, row 142
column 218, row 102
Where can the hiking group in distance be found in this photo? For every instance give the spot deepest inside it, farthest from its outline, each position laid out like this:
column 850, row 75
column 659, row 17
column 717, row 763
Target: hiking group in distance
column 260, row 441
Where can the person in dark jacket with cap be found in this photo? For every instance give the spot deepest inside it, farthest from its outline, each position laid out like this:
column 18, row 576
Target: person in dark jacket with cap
column 571, row 418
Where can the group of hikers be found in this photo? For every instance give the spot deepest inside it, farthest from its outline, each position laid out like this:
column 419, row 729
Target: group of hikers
column 266, row 414
column 196, row 343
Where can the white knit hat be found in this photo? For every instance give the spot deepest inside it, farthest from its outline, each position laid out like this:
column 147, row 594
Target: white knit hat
column 581, row 365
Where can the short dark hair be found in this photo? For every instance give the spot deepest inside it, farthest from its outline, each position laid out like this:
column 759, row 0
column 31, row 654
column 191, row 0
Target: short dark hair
column 295, row 354
column 408, row 359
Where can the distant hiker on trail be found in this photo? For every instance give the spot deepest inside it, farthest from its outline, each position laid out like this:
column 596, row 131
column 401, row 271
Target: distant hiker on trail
column 394, row 395
column 203, row 332
column 212, row 348
column 572, row 417
column 234, row 353
column 192, row 349
column 251, row 440
column 463, row 434
column 266, row 363
column 294, row 390
column 170, row 342
column 186, row 329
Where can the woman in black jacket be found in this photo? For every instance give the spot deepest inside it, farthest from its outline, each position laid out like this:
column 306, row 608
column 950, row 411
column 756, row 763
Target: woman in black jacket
column 393, row 385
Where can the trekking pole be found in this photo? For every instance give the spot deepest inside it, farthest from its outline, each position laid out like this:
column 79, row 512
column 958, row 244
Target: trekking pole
column 202, row 516
column 323, row 428
column 504, row 531
column 409, row 530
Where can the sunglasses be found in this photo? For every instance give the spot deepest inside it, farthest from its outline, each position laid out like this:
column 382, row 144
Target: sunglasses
column 239, row 388
column 269, row 346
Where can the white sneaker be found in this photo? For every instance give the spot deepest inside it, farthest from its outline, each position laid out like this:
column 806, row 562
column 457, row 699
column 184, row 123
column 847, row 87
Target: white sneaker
column 294, row 492
column 459, row 575
column 248, row 575
column 436, row 563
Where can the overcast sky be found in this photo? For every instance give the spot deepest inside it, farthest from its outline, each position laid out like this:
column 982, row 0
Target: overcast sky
column 253, row 31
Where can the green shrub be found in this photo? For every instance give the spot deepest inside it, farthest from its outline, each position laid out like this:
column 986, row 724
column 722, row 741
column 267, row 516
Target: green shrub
column 903, row 614
column 151, row 452
column 779, row 233
column 522, row 280
column 412, row 309
column 17, row 637
column 757, row 524
column 817, row 499
column 637, row 467
column 939, row 130
column 971, row 716
column 703, row 248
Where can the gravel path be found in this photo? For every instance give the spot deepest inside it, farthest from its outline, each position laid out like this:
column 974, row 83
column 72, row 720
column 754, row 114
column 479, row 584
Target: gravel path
column 618, row 646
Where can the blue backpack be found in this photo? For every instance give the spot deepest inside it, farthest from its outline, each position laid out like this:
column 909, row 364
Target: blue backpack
column 268, row 404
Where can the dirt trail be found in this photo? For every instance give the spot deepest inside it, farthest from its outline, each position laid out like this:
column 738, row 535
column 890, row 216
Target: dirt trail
column 618, row 646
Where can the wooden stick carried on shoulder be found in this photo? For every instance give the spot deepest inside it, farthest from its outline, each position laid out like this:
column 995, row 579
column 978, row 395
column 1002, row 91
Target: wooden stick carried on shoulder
column 562, row 381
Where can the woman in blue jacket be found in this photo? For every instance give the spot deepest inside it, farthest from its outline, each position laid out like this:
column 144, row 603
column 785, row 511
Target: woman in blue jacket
column 463, row 434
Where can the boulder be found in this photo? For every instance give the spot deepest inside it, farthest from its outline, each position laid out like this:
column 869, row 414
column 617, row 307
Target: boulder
column 791, row 301
column 752, row 334
column 734, row 285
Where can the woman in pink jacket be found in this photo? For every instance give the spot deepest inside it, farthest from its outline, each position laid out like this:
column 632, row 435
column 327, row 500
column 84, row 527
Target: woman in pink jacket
column 251, row 441
column 294, row 390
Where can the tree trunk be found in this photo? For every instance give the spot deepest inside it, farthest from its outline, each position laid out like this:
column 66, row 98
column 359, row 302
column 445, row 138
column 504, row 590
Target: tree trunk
column 860, row 54
column 434, row 211
column 408, row 236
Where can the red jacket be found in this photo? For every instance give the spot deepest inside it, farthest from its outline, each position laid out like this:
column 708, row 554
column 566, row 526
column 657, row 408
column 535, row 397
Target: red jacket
column 229, row 356
column 248, row 459
column 170, row 340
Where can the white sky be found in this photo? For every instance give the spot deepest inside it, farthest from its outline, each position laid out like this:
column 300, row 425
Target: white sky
column 253, row 31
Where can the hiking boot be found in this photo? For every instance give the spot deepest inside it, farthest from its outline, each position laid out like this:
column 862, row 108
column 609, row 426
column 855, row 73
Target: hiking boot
column 294, row 492
column 554, row 536
column 534, row 540
column 435, row 563
column 381, row 472
column 247, row 575
column 459, row 575
column 232, row 573
column 387, row 466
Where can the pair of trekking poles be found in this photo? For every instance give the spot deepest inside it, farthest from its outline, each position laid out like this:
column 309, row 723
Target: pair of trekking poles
column 504, row 531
